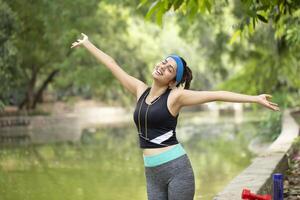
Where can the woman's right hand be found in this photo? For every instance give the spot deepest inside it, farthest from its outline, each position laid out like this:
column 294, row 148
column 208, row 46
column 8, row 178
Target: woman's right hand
column 80, row 41
column 262, row 99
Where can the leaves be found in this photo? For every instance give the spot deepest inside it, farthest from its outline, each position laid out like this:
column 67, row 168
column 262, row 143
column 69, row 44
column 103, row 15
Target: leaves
column 262, row 10
column 177, row 4
column 142, row 3
column 154, row 6
column 262, row 18
column 235, row 36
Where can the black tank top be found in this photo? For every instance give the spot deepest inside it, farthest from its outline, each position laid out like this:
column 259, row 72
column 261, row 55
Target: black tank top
column 161, row 124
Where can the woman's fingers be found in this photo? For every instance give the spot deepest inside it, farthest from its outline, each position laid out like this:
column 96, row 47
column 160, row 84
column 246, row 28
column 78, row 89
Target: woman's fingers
column 79, row 41
column 265, row 102
column 277, row 109
column 274, row 104
column 75, row 44
column 268, row 95
column 272, row 107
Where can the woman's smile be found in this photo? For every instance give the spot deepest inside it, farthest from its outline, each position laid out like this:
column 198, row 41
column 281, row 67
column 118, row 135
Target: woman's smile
column 158, row 72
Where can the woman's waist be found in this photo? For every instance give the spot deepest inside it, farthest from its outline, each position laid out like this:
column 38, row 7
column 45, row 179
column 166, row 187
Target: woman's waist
column 155, row 151
column 166, row 155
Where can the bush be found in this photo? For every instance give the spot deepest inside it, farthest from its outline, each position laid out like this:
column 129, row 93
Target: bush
column 1, row 106
column 270, row 128
column 296, row 144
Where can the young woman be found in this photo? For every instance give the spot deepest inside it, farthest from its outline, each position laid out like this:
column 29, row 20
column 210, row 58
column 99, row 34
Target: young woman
column 168, row 170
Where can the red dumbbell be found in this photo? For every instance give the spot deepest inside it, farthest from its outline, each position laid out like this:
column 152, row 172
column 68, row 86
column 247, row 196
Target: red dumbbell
column 246, row 194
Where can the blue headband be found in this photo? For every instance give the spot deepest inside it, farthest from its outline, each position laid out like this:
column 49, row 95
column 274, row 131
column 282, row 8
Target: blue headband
column 179, row 71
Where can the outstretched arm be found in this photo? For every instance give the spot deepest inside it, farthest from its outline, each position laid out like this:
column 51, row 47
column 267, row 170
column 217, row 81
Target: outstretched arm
column 192, row 97
column 129, row 82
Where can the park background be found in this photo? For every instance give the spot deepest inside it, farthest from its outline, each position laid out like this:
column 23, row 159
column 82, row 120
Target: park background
column 245, row 46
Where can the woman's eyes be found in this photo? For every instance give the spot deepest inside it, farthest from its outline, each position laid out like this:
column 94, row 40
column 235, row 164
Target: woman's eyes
column 165, row 62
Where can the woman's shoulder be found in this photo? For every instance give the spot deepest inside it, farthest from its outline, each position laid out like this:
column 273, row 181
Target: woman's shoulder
column 176, row 90
column 141, row 90
column 175, row 93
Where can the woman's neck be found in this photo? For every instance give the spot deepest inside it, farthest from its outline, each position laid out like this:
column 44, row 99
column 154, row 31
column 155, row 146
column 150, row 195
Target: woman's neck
column 157, row 90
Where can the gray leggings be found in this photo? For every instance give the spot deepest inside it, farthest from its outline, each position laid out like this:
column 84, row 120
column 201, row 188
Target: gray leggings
column 173, row 180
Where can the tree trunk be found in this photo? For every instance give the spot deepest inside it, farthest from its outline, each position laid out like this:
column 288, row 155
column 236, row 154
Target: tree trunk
column 43, row 87
column 28, row 100
column 31, row 98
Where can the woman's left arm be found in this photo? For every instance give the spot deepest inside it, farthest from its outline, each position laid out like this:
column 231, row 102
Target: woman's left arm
column 193, row 97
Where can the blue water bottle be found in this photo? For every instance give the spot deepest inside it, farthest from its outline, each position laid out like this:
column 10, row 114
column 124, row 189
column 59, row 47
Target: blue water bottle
column 277, row 186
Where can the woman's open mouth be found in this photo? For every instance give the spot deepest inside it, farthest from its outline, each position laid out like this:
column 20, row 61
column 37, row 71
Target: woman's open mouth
column 158, row 72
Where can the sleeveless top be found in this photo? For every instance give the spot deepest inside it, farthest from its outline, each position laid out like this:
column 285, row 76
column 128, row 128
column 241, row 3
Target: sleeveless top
column 155, row 124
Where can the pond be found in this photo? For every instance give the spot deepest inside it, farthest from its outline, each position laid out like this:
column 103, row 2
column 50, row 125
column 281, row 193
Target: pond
column 107, row 162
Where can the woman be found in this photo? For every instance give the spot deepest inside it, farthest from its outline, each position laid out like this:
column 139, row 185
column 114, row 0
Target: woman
column 168, row 169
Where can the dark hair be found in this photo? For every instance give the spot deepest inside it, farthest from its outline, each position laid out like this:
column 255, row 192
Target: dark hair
column 186, row 77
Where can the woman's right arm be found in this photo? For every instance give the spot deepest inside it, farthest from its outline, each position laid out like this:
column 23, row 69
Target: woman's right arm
column 134, row 85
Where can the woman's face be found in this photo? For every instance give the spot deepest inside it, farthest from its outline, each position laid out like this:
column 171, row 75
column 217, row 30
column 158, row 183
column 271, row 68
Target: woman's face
column 165, row 71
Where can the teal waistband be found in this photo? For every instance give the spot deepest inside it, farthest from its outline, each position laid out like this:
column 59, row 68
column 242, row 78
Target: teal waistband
column 168, row 155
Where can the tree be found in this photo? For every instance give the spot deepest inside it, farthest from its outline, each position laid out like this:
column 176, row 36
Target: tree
column 8, row 52
column 271, row 28
column 251, row 11
column 42, row 40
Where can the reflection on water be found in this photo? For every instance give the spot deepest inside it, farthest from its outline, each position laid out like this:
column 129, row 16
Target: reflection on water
column 107, row 164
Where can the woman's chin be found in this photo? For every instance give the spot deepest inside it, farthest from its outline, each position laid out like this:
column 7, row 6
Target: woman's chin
column 155, row 76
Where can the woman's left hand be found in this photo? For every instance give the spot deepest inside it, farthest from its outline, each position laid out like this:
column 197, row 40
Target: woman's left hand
column 80, row 42
column 262, row 99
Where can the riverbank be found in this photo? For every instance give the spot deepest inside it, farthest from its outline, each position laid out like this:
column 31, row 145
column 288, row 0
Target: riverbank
column 258, row 176
column 93, row 114
column 292, row 178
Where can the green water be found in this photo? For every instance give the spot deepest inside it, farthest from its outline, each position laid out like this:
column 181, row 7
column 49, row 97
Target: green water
column 107, row 164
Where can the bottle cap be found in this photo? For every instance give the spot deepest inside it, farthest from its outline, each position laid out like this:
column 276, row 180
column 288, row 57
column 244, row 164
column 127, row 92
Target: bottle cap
column 277, row 176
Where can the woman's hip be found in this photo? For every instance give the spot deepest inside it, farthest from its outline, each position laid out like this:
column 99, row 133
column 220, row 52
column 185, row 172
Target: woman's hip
column 163, row 173
column 164, row 157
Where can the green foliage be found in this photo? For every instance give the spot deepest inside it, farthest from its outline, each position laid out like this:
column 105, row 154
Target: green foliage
column 189, row 7
column 267, row 65
column 296, row 144
column 1, row 106
column 9, row 66
column 112, row 28
column 270, row 128
column 38, row 37
column 136, row 45
column 252, row 11
column 43, row 37
column 252, row 64
column 88, row 77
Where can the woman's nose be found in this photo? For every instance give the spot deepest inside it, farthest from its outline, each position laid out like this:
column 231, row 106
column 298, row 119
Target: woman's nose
column 162, row 67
